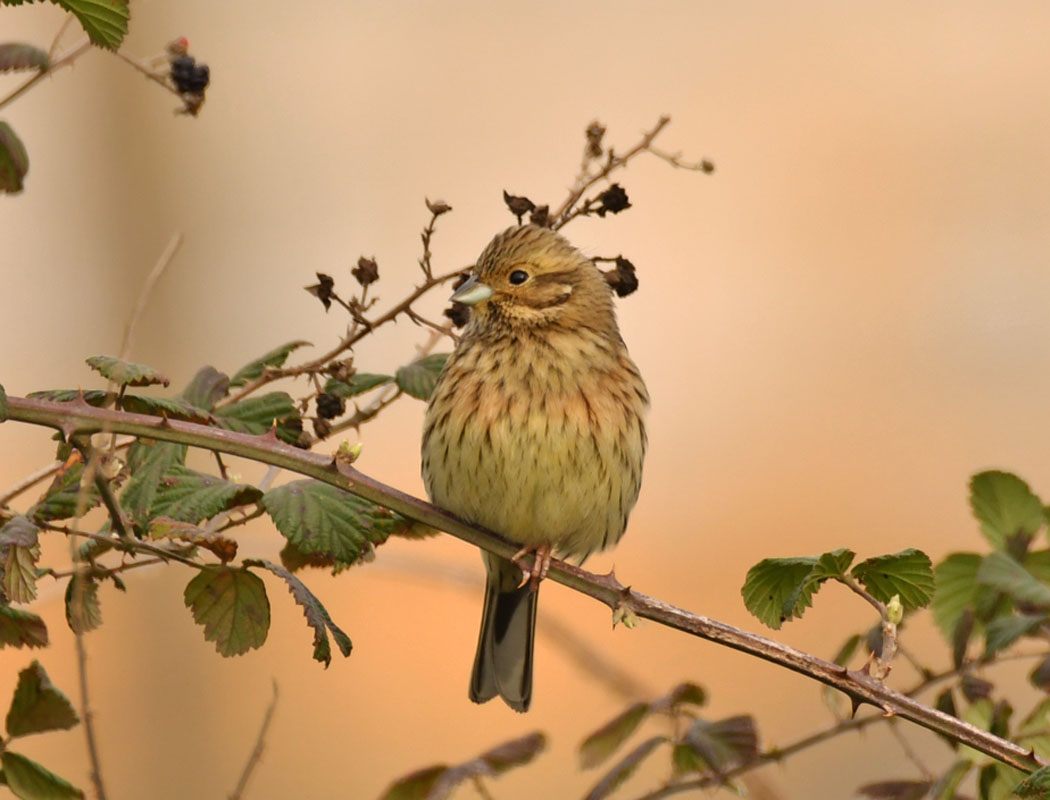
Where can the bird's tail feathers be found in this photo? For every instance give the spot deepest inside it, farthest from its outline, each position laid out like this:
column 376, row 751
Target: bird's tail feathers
column 503, row 663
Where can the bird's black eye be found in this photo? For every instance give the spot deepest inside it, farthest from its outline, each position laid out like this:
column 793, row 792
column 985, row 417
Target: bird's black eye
column 518, row 277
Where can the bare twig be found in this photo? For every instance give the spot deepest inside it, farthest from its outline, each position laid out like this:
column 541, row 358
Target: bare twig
column 909, row 753
column 147, row 287
column 77, row 600
column 29, row 481
column 347, row 342
column 134, row 546
column 257, row 751
column 156, row 77
column 77, row 418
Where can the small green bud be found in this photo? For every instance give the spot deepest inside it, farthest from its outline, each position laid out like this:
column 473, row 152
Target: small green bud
column 895, row 609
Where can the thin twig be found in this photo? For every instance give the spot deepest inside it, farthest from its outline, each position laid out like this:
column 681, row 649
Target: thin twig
column 134, row 546
column 481, row 788
column 909, row 753
column 147, row 287
column 64, row 61
column 345, row 343
column 146, row 562
column 257, row 751
column 612, row 163
column 29, row 481
column 78, row 418
column 77, row 600
column 778, row 754
column 157, row 78
column 58, row 36
column 675, row 160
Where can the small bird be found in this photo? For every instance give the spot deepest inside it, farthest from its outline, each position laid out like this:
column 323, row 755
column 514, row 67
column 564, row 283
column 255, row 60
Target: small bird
column 536, row 431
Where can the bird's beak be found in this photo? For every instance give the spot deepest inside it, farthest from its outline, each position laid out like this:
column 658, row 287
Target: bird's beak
column 472, row 292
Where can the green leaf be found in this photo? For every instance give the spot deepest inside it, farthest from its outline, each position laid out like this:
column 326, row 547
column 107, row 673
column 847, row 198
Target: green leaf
column 60, row 500
column 1035, row 785
column 955, row 582
column 724, row 743
column 416, row 785
column 21, row 628
column 686, row 693
column 232, row 606
column 3, row 404
column 170, row 407
column 944, row 788
column 295, row 559
column 19, row 552
column 515, row 753
column 14, row 161
column 206, row 389
column 104, row 21
column 30, row 781
column 258, row 414
column 148, row 462
column 1034, row 731
column 93, row 397
column 847, row 650
column 275, row 358
column 1001, row 571
column 998, row 781
column 186, row 495
column 1005, row 506
column 319, row 518
column 83, row 608
column 908, row 574
column 359, row 384
column 37, row 705
column 126, row 373
column 316, row 614
column 1004, row 631
column 16, row 56
column 895, row 790
column 624, row 769
column 1040, row 676
column 605, row 741
column 779, row 589
column 833, row 564
column 419, row 378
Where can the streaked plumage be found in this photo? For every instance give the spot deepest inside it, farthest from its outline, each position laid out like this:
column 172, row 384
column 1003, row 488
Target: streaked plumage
column 535, row 430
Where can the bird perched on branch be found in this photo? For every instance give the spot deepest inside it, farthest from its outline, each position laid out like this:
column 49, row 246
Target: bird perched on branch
column 534, row 430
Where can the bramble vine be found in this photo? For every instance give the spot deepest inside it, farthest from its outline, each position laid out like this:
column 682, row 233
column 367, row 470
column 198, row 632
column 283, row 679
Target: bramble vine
column 122, row 449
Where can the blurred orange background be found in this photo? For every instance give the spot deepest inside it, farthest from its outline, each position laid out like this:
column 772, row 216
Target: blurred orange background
column 837, row 328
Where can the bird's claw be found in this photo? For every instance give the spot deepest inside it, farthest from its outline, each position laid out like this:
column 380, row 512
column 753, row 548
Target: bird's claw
column 535, row 572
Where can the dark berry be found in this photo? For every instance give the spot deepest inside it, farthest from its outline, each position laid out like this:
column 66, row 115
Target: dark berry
column 459, row 313
column 329, row 406
column 613, row 200
column 366, row 271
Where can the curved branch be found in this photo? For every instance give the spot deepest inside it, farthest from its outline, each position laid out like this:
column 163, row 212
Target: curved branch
column 79, row 418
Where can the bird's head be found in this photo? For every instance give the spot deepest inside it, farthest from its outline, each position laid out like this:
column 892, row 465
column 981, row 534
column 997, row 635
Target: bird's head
column 531, row 276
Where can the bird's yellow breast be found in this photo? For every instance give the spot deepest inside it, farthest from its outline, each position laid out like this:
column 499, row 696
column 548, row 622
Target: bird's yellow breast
column 539, row 437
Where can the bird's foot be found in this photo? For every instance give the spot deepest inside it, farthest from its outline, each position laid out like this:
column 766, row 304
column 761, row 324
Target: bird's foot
column 537, row 570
